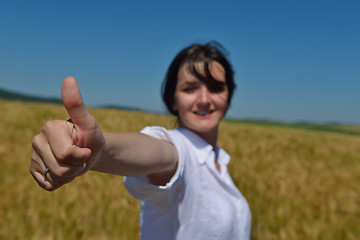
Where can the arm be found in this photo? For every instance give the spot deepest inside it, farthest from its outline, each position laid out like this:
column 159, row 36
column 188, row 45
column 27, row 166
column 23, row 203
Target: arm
column 63, row 150
column 136, row 154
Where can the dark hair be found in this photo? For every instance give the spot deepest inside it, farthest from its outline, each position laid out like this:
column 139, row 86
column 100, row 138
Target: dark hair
column 195, row 53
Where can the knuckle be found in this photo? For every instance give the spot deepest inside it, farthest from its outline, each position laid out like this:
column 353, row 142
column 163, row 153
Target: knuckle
column 47, row 126
column 50, row 188
column 65, row 155
column 60, row 172
column 50, row 125
column 35, row 141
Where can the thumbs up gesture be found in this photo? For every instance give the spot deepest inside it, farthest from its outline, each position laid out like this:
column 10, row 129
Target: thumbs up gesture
column 64, row 150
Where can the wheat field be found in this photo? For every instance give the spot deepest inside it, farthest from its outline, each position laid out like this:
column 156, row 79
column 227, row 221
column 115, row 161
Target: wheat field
column 299, row 184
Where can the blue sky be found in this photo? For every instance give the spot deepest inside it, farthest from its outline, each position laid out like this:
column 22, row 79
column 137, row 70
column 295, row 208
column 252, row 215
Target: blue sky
column 293, row 60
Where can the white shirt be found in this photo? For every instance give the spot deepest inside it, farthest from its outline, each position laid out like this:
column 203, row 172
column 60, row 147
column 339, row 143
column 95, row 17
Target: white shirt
column 199, row 202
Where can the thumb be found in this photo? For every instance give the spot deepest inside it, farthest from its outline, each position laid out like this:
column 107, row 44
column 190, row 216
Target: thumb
column 73, row 102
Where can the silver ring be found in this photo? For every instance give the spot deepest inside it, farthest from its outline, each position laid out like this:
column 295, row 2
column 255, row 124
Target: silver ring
column 46, row 171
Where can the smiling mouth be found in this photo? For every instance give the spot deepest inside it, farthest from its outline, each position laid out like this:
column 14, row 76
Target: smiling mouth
column 203, row 113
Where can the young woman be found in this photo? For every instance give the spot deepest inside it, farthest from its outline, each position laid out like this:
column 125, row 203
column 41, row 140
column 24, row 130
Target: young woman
column 180, row 176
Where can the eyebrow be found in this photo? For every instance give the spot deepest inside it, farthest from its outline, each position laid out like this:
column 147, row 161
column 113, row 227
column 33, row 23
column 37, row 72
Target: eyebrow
column 217, row 84
column 190, row 83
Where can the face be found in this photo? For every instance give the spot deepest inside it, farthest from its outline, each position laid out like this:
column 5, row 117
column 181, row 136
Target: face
column 200, row 107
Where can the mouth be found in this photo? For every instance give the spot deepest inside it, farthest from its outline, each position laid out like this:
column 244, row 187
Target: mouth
column 204, row 113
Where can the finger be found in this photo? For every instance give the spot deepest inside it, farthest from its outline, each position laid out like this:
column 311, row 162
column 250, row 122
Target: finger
column 36, row 166
column 61, row 136
column 48, row 184
column 59, row 170
column 72, row 100
column 42, row 182
column 37, row 170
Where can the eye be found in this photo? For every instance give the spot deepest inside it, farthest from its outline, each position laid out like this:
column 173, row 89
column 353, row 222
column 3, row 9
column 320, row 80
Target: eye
column 188, row 89
column 216, row 88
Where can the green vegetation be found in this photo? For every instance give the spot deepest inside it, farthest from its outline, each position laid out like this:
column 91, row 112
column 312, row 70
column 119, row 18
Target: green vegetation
column 9, row 95
column 327, row 127
column 300, row 184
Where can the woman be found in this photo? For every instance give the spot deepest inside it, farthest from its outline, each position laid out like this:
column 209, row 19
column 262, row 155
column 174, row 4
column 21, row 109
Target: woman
column 180, row 175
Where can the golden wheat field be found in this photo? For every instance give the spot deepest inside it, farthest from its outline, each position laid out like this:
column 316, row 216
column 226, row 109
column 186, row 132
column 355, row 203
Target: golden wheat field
column 299, row 184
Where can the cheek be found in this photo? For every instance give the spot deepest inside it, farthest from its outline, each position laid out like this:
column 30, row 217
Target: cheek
column 221, row 101
column 183, row 107
column 182, row 102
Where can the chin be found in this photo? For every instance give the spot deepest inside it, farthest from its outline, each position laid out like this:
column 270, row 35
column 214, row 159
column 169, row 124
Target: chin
column 202, row 128
column 201, row 123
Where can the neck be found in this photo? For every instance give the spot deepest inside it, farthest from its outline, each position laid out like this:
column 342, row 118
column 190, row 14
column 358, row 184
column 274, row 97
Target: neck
column 210, row 137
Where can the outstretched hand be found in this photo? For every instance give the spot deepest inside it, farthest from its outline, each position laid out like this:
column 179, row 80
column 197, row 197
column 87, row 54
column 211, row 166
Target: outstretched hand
column 67, row 149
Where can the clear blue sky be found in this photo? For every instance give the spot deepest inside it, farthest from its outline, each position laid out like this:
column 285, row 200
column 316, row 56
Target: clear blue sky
column 293, row 60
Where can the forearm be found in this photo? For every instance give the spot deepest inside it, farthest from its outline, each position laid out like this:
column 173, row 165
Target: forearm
column 135, row 154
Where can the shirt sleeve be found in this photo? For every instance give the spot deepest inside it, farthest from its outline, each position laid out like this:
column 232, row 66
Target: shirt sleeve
column 140, row 187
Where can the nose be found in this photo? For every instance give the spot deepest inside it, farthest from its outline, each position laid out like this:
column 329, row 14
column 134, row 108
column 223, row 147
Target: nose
column 204, row 97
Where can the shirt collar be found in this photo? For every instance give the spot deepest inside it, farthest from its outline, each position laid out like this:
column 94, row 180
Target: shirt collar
column 203, row 150
column 222, row 156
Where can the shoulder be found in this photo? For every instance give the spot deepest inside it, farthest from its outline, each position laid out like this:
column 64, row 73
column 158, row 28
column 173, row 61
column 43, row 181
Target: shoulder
column 156, row 131
column 173, row 136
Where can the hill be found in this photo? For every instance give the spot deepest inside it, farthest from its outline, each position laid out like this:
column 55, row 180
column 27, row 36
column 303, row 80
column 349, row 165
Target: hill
column 325, row 127
column 10, row 95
